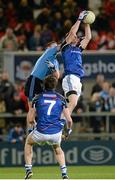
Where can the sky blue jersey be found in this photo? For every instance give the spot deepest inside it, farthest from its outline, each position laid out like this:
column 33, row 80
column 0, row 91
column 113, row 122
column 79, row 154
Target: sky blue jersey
column 49, row 106
column 72, row 58
column 40, row 69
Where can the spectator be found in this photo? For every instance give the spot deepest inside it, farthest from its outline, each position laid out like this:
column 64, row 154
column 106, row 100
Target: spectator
column 9, row 41
column 18, row 106
column 110, row 106
column 99, row 82
column 96, row 105
column 104, row 94
column 105, row 91
column 22, row 46
column 16, row 134
column 34, row 41
column 103, row 42
column 66, row 14
column 71, row 5
column 95, row 6
column 2, row 120
column 11, row 14
column 66, row 27
column 103, row 20
column 93, row 44
column 6, row 89
column 56, row 5
column 19, row 88
column 44, row 16
column 3, row 22
column 35, row 4
column 57, row 23
column 24, row 12
column 46, row 35
column 2, row 105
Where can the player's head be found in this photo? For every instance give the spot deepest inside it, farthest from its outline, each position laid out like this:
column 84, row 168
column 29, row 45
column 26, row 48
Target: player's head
column 50, row 82
column 77, row 39
column 52, row 44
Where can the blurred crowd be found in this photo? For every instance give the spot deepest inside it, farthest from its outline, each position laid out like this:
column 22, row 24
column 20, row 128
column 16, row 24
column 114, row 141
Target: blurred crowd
column 14, row 101
column 29, row 24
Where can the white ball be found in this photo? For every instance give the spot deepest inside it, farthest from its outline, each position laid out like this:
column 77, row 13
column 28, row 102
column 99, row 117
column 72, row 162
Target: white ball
column 90, row 18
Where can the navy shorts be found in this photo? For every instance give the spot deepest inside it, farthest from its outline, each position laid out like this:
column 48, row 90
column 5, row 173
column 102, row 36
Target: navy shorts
column 33, row 86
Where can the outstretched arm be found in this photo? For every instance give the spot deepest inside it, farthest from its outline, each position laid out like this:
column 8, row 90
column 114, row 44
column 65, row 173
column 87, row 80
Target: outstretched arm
column 87, row 37
column 75, row 27
column 72, row 32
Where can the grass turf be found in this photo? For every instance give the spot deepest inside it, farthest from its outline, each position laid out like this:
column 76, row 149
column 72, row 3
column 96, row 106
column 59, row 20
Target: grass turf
column 74, row 172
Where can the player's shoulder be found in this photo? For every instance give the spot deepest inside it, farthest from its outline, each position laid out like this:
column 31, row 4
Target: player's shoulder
column 64, row 45
column 52, row 49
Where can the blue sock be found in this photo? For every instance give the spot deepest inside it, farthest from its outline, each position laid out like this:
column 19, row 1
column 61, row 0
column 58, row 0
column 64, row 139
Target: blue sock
column 28, row 167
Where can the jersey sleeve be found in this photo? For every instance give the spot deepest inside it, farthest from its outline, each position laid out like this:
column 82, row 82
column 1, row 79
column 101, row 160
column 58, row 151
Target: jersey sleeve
column 56, row 63
column 63, row 100
column 49, row 52
column 52, row 51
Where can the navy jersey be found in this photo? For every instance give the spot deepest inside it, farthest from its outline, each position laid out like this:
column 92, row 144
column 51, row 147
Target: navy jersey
column 49, row 106
column 72, row 57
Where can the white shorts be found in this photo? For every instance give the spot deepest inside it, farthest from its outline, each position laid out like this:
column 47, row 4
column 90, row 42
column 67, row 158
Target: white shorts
column 71, row 83
column 42, row 139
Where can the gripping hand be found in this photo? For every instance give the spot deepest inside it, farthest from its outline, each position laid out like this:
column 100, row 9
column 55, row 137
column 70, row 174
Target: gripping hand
column 66, row 134
column 82, row 15
column 50, row 65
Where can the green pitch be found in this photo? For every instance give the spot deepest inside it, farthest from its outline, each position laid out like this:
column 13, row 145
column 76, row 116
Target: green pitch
column 74, row 172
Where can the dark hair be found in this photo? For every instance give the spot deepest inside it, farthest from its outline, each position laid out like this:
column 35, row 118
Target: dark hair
column 50, row 43
column 50, row 82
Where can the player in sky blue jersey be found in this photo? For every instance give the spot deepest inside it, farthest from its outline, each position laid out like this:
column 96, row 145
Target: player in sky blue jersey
column 71, row 50
column 47, row 107
column 46, row 64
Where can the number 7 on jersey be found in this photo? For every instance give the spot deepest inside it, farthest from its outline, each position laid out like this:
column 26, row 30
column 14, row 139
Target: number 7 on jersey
column 51, row 104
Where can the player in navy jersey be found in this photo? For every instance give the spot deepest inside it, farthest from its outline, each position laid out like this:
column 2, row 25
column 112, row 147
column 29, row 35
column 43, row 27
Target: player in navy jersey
column 47, row 107
column 71, row 50
column 46, row 64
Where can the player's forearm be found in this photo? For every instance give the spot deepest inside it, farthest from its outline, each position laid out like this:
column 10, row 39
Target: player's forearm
column 72, row 32
column 87, row 38
column 75, row 27
column 68, row 118
column 31, row 116
column 87, row 32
